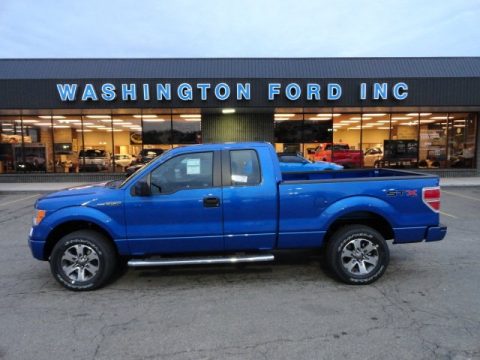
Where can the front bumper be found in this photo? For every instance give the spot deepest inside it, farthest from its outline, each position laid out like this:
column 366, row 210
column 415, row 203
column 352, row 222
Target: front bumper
column 435, row 233
column 36, row 247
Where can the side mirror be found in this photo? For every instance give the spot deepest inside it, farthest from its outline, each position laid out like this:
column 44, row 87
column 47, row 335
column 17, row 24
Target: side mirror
column 141, row 188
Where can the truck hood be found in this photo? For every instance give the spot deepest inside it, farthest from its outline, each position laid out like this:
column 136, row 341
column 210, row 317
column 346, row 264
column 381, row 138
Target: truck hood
column 88, row 195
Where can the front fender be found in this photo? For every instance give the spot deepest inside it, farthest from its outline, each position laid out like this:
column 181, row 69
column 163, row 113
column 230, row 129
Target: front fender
column 116, row 229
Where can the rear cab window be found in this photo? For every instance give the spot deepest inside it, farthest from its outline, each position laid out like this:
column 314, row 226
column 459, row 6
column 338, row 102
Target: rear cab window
column 244, row 168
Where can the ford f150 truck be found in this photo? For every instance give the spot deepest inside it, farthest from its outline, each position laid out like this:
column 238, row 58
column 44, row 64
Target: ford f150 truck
column 230, row 203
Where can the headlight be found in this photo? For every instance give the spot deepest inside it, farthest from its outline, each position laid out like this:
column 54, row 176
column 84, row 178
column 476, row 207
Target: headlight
column 39, row 215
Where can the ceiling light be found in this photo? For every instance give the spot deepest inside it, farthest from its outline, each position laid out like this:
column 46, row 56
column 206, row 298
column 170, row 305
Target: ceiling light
column 401, row 118
column 325, row 115
column 51, row 117
column 421, row 114
column 68, row 121
column 43, row 124
column 153, row 120
column 383, row 128
column 458, row 126
column 281, row 119
column 426, row 121
column 321, row 118
column 84, row 130
column 27, row 121
column 349, row 121
column 192, row 120
column 145, row 116
column 441, row 117
column 284, row 115
column 187, row 116
column 374, row 114
column 98, row 116
column 228, row 111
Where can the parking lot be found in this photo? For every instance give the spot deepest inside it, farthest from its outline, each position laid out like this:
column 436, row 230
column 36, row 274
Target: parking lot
column 427, row 305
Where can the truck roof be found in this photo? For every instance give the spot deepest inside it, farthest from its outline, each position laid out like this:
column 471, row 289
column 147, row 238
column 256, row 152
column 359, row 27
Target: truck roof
column 220, row 146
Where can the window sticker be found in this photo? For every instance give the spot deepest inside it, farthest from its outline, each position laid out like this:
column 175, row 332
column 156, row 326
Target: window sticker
column 193, row 166
column 240, row 178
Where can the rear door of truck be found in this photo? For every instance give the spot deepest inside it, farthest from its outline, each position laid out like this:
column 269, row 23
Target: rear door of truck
column 249, row 199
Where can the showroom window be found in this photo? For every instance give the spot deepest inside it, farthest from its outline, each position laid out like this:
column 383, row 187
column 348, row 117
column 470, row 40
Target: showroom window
column 345, row 149
column 461, row 140
column 288, row 131
column 186, row 127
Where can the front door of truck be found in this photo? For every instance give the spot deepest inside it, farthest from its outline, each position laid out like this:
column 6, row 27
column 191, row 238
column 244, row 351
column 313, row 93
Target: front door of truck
column 177, row 207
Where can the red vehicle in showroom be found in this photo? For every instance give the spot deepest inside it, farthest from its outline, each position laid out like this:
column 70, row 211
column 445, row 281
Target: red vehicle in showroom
column 339, row 153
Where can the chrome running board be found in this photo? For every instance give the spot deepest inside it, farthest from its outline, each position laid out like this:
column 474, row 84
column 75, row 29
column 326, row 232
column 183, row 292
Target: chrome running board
column 201, row 261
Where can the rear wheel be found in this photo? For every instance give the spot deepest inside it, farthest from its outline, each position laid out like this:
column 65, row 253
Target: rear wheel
column 83, row 260
column 357, row 254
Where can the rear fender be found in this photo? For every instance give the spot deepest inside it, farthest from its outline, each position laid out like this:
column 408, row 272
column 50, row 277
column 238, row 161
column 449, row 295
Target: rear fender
column 357, row 204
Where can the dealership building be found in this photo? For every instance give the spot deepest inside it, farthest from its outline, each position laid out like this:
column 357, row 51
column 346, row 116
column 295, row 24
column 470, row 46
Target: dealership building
column 73, row 118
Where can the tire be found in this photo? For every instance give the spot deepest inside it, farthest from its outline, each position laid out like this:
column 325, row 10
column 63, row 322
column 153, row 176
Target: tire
column 357, row 254
column 83, row 260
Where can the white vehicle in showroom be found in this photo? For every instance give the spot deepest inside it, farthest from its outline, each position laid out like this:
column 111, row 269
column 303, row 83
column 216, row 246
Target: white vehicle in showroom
column 123, row 160
column 373, row 157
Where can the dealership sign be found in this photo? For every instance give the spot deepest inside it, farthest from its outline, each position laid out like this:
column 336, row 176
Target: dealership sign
column 128, row 92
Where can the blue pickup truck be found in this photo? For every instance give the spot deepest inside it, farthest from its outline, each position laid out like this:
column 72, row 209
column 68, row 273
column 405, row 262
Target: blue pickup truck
column 230, row 203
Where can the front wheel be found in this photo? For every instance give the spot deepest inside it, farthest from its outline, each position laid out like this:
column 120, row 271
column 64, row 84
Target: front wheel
column 358, row 254
column 83, row 260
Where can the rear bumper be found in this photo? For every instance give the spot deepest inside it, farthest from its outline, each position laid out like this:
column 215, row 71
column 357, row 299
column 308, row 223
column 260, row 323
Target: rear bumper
column 418, row 234
column 435, row 233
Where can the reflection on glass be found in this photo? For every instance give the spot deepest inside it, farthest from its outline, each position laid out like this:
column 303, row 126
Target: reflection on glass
column 433, row 140
column 10, row 140
column 157, row 130
column 288, row 134
column 186, row 128
column 461, row 140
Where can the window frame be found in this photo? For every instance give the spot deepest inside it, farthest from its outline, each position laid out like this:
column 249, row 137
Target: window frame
column 216, row 170
column 227, row 171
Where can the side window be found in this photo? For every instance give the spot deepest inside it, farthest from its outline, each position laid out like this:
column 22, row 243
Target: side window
column 244, row 167
column 189, row 171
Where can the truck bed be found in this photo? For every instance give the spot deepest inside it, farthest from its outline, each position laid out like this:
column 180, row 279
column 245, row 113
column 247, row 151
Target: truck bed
column 354, row 174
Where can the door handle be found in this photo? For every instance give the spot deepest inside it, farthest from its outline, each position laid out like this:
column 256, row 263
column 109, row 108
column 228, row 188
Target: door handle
column 211, row 201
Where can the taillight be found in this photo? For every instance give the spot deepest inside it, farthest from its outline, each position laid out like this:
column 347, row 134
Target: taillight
column 431, row 198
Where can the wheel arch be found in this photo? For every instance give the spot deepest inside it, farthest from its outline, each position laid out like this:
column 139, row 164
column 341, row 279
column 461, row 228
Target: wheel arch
column 367, row 218
column 68, row 227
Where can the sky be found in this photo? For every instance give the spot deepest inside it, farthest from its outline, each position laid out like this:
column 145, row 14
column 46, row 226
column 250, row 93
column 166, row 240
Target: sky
column 246, row 28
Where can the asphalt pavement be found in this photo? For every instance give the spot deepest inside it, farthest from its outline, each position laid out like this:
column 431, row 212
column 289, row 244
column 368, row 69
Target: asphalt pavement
column 426, row 306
